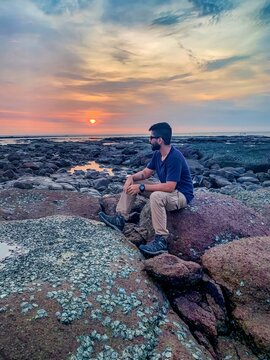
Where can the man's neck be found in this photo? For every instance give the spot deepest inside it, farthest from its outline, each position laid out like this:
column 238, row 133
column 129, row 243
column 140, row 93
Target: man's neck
column 164, row 151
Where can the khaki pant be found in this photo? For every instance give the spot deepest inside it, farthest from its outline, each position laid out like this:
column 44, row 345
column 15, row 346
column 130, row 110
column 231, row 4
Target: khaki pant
column 160, row 201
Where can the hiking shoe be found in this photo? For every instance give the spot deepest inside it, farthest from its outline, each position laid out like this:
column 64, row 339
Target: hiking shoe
column 117, row 222
column 155, row 247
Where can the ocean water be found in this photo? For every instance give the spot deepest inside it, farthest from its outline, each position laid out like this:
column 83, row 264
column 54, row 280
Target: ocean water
column 74, row 138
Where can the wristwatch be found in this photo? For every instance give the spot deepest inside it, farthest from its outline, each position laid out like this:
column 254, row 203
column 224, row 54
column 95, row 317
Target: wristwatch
column 142, row 188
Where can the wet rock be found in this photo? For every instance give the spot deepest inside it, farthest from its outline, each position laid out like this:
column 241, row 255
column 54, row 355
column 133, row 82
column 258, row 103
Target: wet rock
column 242, row 268
column 101, row 183
column 171, row 271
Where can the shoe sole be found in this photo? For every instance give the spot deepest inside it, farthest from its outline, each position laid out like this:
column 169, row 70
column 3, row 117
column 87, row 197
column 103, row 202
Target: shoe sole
column 154, row 253
column 108, row 223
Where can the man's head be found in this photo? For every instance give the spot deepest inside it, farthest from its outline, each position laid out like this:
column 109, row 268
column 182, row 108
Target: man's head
column 161, row 134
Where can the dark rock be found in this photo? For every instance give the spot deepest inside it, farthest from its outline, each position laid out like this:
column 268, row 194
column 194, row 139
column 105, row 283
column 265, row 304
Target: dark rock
column 14, row 156
column 101, row 183
column 23, row 185
column 32, row 165
column 9, row 174
column 219, row 181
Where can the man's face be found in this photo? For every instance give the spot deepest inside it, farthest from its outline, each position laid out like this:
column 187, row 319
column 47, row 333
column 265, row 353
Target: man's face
column 154, row 141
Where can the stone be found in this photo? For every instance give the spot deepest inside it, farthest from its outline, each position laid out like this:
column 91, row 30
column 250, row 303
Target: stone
column 242, row 268
column 197, row 317
column 35, row 203
column 101, row 183
column 210, row 219
column 80, row 284
column 249, row 179
column 171, row 271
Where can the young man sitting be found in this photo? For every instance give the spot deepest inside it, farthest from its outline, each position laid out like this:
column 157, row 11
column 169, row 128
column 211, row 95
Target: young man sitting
column 173, row 192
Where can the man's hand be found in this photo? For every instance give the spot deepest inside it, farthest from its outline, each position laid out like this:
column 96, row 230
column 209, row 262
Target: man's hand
column 128, row 182
column 133, row 189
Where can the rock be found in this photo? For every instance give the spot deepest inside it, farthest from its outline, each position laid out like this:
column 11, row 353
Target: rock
column 249, row 179
column 80, row 284
column 263, row 176
column 32, row 165
column 9, row 174
column 231, row 349
column 210, row 219
column 34, row 203
column 242, row 268
column 266, row 183
column 219, row 181
column 101, row 183
column 196, row 317
column 259, row 200
column 23, row 184
column 14, row 157
column 171, row 271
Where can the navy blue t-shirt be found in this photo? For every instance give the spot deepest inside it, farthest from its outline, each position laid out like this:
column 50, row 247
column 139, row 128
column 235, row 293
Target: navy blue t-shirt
column 173, row 168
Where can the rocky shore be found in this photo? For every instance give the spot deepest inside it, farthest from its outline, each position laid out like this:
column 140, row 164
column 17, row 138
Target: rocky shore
column 87, row 289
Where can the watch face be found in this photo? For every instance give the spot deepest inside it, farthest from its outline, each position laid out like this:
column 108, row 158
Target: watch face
column 142, row 187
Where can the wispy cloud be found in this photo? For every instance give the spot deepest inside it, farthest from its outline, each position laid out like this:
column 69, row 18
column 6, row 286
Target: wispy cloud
column 167, row 19
column 134, row 61
column 222, row 63
column 212, row 8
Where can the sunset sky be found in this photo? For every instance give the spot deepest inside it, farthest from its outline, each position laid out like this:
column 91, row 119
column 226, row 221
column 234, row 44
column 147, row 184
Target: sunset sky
column 201, row 65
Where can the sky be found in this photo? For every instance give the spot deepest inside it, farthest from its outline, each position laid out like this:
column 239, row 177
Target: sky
column 200, row 65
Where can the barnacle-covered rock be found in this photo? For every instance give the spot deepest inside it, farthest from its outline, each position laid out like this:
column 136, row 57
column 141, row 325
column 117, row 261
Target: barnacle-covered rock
column 77, row 291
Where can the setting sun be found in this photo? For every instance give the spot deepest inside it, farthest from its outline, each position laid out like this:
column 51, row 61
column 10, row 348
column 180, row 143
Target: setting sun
column 92, row 121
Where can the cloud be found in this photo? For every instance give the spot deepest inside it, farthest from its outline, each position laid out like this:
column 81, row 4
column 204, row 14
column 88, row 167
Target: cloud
column 57, row 7
column 167, row 19
column 131, row 12
column 264, row 14
column 222, row 63
column 213, row 8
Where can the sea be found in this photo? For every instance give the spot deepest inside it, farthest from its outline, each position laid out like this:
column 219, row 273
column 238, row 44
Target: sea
column 5, row 140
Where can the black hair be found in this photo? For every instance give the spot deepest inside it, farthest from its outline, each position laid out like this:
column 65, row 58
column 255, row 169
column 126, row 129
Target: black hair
column 162, row 130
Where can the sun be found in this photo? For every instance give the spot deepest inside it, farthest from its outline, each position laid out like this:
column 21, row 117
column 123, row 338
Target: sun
column 92, row 121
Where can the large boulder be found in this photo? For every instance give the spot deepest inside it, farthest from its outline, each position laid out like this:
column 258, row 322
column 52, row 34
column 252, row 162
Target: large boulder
column 18, row 204
column 259, row 200
column 77, row 291
column 242, row 268
column 210, row 219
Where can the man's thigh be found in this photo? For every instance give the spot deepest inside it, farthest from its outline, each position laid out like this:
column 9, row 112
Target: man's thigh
column 175, row 201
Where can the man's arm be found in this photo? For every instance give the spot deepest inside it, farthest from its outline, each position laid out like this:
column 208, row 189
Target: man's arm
column 168, row 186
column 142, row 175
column 138, row 176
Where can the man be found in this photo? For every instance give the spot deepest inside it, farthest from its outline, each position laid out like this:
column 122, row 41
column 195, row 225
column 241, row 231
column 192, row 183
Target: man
column 174, row 191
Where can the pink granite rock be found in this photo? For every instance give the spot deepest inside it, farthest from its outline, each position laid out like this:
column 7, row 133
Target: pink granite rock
column 172, row 271
column 242, row 268
column 211, row 219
